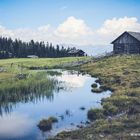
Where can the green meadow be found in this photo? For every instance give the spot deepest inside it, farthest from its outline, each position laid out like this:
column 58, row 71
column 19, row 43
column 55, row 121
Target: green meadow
column 23, row 65
column 21, row 75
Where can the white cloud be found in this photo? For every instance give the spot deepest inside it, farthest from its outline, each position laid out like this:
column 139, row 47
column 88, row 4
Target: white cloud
column 75, row 31
column 44, row 28
column 73, row 27
column 6, row 32
column 111, row 28
column 119, row 25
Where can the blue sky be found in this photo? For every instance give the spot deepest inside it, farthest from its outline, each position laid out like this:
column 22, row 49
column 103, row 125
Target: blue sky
column 33, row 13
column 69, row 21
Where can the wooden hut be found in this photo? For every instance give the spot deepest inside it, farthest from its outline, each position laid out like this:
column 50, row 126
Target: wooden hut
column 127, row 43
column 76, row 52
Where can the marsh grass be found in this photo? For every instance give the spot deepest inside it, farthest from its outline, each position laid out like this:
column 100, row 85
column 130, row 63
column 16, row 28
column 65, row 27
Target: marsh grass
column 35, row 87
column 33, row 83
column 54, row 73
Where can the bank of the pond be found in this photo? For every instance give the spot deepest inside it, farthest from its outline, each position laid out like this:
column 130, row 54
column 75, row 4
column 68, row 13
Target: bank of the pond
column 19, row 73
column 51, row 109
column 120, row 116
column 25, row 83
column 10, row 67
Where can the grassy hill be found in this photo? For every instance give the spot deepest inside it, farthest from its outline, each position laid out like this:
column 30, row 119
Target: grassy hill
column 121, row 74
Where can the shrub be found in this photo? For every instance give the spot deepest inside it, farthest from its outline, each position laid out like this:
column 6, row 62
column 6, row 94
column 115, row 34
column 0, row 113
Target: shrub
column 53, row 119
column 97, row 90
column 109, row 109
column 94, row 114
column 46, row 124
column 105, row 88
column 94, row 85
column 135, row 84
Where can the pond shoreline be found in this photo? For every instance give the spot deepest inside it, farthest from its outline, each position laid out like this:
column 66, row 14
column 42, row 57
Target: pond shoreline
column 71, row 117
column 122, row 106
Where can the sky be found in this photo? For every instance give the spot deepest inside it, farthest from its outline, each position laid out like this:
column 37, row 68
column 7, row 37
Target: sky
column 81, row 22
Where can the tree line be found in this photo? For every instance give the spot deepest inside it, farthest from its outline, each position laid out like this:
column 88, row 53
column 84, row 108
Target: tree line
column 18, row 49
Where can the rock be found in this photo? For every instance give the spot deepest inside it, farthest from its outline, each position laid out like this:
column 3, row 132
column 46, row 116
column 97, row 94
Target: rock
column 21, row 76
column 45, row 125
column 101, row 135
column 79, row 126
column 72, row 124
column 82, row 108
column 2, row 69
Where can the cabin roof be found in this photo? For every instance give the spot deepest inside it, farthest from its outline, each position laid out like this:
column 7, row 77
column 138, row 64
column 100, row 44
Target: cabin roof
column 136, row 35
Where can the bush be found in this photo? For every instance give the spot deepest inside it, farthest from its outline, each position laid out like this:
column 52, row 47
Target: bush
column 135, row 84
column 109, row 109
column 94, row 85
column 96, row 90
column 46, row 124
column 94, row 114
column 105, row 88
column 100, row 89
column 53, row 119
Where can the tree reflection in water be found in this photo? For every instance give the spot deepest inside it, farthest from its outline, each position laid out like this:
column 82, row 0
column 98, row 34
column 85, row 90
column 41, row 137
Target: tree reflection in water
column 33, row 91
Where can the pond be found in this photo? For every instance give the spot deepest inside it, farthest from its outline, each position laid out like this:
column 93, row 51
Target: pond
column 69, row 102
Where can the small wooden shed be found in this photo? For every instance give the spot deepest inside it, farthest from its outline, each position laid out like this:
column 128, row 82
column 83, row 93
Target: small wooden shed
column 76, row 52
column 127, row 43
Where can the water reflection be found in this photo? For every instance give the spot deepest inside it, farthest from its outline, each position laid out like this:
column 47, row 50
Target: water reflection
column 9, row 100
column 15, row 125
column 56, row 83
column 72, row 80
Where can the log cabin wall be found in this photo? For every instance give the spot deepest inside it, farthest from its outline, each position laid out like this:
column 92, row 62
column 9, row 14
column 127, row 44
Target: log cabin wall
column 126, row 44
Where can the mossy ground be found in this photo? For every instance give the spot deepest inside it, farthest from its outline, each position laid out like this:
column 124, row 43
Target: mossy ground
column 122, row 75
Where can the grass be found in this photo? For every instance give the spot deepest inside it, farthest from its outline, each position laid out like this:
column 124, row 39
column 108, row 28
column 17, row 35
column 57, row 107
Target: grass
column 121, row 74
column 12, row 69
column 46, row 124
column 33, row 82
column 18, row 65
column 35, row 87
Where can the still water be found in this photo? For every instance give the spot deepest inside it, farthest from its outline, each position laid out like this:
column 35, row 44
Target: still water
column 73, row 92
